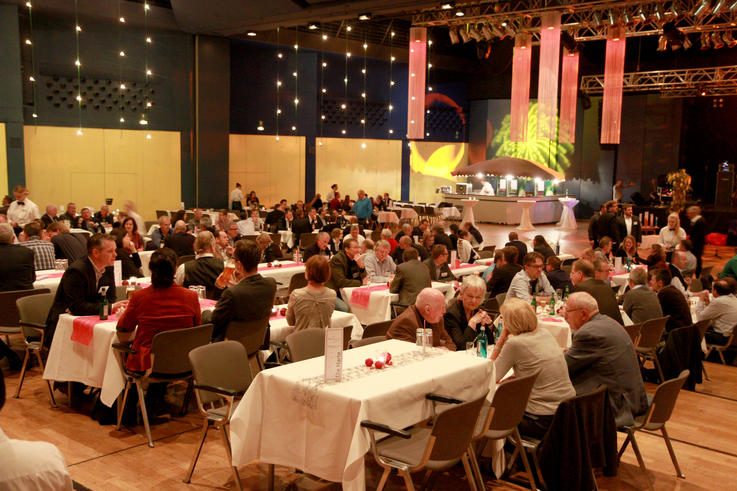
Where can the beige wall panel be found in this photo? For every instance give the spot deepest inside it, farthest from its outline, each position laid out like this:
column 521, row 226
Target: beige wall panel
column 375, row 169
column 430, row 167
column 3, row 162
column 274, row 169
column 120, row 164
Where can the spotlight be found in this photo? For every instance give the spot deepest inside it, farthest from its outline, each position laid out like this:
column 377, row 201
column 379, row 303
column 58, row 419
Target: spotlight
column 596, row 18
column 662, row 43
column 727, row 37
column 626, row 17
column 447, row 5
column 313, row 26
column 686, row 42
column 453, row 34
column 674, row 12
column 474, row 33
column 641, row 15
column 716, row 40
column 260, row 126
column 612, row 18
column 658, row 13
column 509, row 29
column 364, row 17
column 464, row 35
column 675, row 37
column 704, row 38
column 733, row 6
column 486, row 32
column 701, row 8
column 718, row 7
column 498, row 32
column 251, row 34
column 460, row 13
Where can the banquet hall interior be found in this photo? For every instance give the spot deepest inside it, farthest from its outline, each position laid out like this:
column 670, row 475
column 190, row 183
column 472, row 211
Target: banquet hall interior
column 516, row 116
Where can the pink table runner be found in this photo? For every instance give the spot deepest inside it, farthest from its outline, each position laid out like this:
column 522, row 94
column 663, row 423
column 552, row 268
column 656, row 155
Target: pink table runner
column 465, row 266
column 48, row 276
column 206, row 302
column 84, row 327
column 360, row 296
column 283, row 266
column 550, row 319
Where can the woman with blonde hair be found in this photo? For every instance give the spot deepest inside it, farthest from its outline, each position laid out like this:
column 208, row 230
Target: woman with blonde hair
column 526, row 348
column 672, row 234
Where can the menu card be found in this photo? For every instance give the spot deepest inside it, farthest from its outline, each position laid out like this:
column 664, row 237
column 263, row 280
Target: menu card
column 118, row 272
column 333, row 354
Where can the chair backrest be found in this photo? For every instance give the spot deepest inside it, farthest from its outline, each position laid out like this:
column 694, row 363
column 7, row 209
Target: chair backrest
column 376, row 236
column 357, row 343
column 702, row 326
column 223, row 365
column 251, row 334
column 651, row 332
column 34, row 309
column 664, row 401
column 490, row 248
column 569, row 261
column 170, row 349
column 9, row 310
column 276, row 239
column 696, row 285
column 500, row 299
column 377, row 329
column 306, row 344
column 183, row 259
column 298, row 280
column 509, row 403
column 306, row 240
column 634, row 332
column 453, row 429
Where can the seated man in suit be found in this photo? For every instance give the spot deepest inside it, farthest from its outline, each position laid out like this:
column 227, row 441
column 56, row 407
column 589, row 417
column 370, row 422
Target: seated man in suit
column 531, row 281
column 503, row 272
column 180, row 241
column 519, row 245
column 104, row 216
column 320, row 247
column 204, row 269
column 250, row 297
column 476, row 238
column 672, row 302
column 86, row 222
column 301, row 225
column 66, row 245
column 411, row 277
column 601, row 352
column 722, row 311
column 79, row 290
column 160, row 234
column 427, row 312
column 346, row 270
column 641, row 303
column 17, row 270
column 51, row 215
column 558, row 278
column 406, row 242
column 437, row 264
column 71, row 214
column 583, row 279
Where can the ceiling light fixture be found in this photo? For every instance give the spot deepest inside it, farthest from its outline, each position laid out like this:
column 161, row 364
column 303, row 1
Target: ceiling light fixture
column 364, row 17
column 251, row 34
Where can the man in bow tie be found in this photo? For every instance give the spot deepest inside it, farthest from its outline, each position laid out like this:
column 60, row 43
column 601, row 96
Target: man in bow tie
column 21, row 211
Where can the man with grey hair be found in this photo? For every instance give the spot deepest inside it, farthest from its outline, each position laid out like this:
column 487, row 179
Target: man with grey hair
column 386, row 234
column 582, row 277
column 380, row 266
column 204, row 269
column 427, row 312
column 641, row 303
column 320, row 247
column 159, row 235
column 362, row 208
column 601, row 352
column 180, row 241
column 104, row 217
column 678, row 280
column 51, row 215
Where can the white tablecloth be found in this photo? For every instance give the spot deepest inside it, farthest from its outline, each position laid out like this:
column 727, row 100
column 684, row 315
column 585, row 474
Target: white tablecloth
column 466, row 269
column 145, row 259
column 388, row 217
column 282, row 274
column 288, row 417
column 42, row 281
column 648, row 241
column 379, row 308
column 280, row 329
column 447, row 212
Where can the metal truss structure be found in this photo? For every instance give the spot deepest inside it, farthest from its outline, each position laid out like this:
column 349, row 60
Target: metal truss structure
column 691, row 82
column 587, row 20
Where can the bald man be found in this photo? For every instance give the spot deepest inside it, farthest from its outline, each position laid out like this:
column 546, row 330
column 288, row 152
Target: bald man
column 427, row 312
column 601, row 352
column 180, row 241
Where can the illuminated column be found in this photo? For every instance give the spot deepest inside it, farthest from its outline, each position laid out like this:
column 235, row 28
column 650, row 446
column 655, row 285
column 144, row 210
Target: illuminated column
column 547, row 87
column 568, row 96
column 521, row 63
column 416, row 84
column 611, row 114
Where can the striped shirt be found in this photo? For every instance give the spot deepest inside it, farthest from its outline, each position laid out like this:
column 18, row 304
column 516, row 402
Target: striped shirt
column 43, row 254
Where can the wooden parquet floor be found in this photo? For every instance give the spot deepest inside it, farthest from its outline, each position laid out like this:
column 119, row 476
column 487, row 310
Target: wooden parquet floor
column 703, row 428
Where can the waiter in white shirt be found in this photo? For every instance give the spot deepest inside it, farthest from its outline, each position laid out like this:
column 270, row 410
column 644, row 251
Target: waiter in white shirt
column 331, row 193
column 22, row 211
column 236, row 196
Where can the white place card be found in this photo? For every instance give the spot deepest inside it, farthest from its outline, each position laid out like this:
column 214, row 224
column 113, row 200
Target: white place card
column 118, row 272
column 333, row 354
column 453, row 257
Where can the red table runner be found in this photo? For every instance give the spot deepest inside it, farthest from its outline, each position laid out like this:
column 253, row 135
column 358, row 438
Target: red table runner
column 360, row 296
column 84, row 327
column 466, row 266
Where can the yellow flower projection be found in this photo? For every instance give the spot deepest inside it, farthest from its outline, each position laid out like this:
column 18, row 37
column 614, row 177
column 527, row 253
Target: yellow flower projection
column 440, row 163
column 549, row 153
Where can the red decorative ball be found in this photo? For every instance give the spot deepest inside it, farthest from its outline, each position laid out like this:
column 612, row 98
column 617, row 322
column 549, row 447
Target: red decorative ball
column 388, row 357
column 125, row 283
column 369, row 362
column 283, row 311
column 268, row 265
column 379, row 364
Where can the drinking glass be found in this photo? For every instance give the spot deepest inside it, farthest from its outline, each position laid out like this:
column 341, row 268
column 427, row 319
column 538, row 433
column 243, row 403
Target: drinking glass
column 471, row 348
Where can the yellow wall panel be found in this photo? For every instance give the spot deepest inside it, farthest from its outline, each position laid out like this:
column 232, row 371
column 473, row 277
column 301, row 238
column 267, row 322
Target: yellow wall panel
column 62, row 166
column 430, row 167
column 377, row 169
column 274, row 169
column 3, row 162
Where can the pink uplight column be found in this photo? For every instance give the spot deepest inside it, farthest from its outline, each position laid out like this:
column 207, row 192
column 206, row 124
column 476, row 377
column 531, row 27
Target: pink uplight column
column 521, row 63
column 568, row 97
column 611, row 113
column 416, row 90
column 547, row 87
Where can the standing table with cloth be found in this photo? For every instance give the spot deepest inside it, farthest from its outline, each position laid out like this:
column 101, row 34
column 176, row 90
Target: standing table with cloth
column 525, row 221
column 568, row 219
column 468, row 205
column 290, row 417
column 379, row 308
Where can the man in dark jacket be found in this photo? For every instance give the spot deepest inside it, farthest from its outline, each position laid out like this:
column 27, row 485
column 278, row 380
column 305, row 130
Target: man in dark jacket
column 204, row 269
column 346, row 268
column 437, row 264
column 697, row 234
column 16, row 263
column 672, row 301
column 67, row 245
column 503, row 272
column 558, row 278
column 517, row 244
column 180, row 241
column 411, row 277
column 582, row 277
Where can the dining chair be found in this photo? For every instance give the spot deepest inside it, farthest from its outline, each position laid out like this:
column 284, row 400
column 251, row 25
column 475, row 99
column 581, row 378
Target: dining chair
column 650, row 334
column 33, row 310
column 702, row 326
column 377, row 329
column 298, row 280
column 500, row 299
column 169, row 363
column 654, row 419
column 721, row 348
column 9, row 315
column 220, row 375
column 183, row 259
column 252, row 335
column 306, row 344
column 357, row 343
column 434, row 448
column 633, row 330
column 499, row 420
